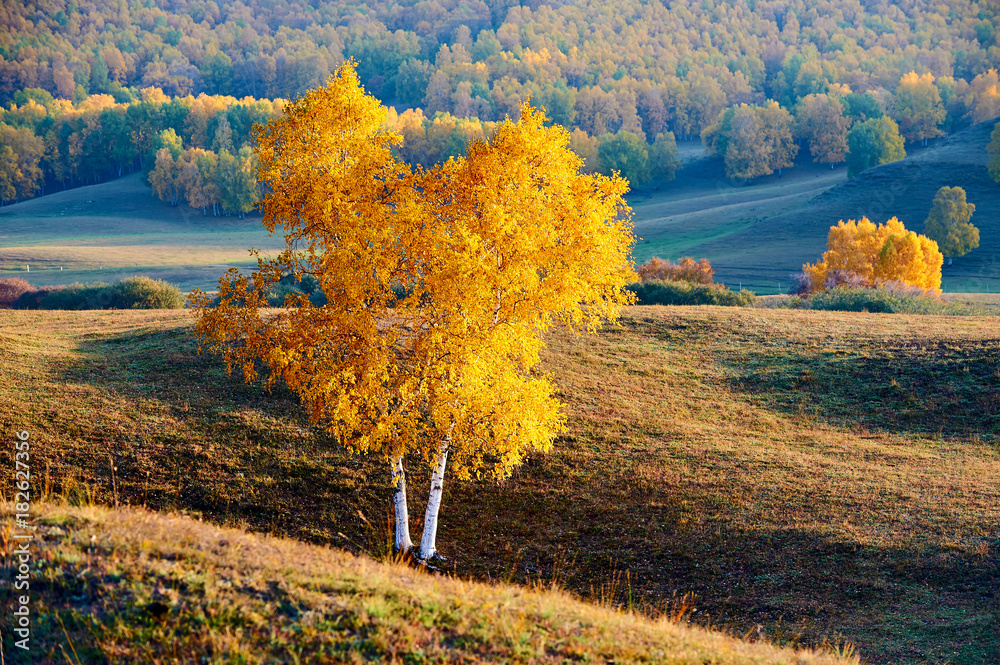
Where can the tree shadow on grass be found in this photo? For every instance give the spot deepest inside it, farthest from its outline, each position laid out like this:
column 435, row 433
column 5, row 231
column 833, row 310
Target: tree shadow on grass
column 184, row 435
column 919, row 386
column 647, row 546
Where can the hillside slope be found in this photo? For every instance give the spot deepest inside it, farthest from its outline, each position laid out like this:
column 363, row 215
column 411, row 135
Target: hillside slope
column 132, row 586
column 761, row 233
column 904, row 189
column 118, row 228
column 808, row 476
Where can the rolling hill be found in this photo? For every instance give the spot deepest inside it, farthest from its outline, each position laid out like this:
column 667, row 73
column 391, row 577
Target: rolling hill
column 132, row 586
column 759, row 234
column 756, row 235
column 117, row 229
column 809, row 477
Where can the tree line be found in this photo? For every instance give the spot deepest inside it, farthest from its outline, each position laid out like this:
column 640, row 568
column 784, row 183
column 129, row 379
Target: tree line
column 47, row 142
column 861, row 129
column 645, row 68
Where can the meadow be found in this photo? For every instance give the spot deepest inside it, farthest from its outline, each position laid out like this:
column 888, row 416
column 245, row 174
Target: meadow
column 756, row 235
column 117, row 229
column 800, row 477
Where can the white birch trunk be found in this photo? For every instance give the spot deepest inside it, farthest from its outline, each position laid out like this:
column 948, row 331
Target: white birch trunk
column 403, row 542
column 428, row 547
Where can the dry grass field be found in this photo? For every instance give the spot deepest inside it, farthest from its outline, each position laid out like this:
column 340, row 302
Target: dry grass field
column 808, row 477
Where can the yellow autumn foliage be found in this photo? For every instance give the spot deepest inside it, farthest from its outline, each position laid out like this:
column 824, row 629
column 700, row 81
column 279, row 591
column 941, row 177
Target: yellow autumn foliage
column 439, row 281
column 879, row 253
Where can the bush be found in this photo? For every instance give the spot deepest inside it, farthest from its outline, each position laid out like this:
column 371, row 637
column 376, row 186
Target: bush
column 145, row 293
column 685, row 270
column 887, row 298
column 670, row 292
column 853, row 299
column 131, row 293
column 11, row 289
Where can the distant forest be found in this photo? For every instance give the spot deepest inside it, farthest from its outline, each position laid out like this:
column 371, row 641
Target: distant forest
column 618, row 68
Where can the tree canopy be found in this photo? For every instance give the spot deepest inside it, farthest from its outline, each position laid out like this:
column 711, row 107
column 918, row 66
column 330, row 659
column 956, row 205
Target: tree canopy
column 873, row 142
column 948, row 222
column 97, row 83
column 822, row 123
column 753, row 140
column 439, row 283
column 918, row 108
column 876, row 253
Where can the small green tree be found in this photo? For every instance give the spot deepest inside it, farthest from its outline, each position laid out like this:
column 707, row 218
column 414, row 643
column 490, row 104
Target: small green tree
column 873, row 142
column 948, row 223
column 993, row 150
column 625, row 153
column 663, row 157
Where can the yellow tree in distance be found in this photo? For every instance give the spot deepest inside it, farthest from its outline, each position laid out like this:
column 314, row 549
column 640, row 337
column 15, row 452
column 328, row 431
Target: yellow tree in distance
column 879, row 253
column 439, row 284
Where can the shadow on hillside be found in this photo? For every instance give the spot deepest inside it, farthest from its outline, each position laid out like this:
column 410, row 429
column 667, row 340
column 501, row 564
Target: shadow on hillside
column 800, row 585
column 185, row 436
column 923, row 387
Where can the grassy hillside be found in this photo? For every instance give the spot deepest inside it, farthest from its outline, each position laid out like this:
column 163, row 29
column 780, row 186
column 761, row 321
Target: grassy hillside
column 808, row 476
column 131, row 586
column 117, row 229
column 759, row 234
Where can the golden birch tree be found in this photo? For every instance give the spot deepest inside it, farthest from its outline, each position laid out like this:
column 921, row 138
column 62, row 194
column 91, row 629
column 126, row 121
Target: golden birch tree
column 439, row 284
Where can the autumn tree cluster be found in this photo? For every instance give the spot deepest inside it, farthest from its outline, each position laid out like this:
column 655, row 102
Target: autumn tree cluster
column 753, row 140
column 221, row 183
column 862, row 253
column 685, row 270
column 47, row 142
column 610, row 70
column 439, row 283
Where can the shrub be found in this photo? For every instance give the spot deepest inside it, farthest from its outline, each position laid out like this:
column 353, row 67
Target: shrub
column 75, row 296
column 848, row 278
column 891, row 298
column 11, row 289
column 131, row 293
column 685, row 270
column 671, row 292
column 850, row 299
column 145, row 293
column 33, row 299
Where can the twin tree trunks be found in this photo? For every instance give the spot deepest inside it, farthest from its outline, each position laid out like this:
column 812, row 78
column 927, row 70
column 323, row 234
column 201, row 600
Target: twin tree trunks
column 439, row 285
column 428, row 542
